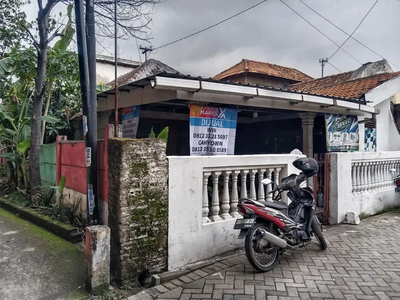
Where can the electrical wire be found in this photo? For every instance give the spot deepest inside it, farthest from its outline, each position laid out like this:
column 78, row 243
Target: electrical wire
column 334, row 67
column 320, row 31
column 212, row 26
column 359, row 24
column 330, row 22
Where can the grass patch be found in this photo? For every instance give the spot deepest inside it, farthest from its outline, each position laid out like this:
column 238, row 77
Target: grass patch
column 387, row 209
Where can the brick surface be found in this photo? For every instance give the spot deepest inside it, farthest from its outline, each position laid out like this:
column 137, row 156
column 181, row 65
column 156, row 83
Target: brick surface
column 361, row 262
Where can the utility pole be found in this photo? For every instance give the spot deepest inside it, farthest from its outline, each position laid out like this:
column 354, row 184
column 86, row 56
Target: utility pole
column 322, row 61
column 116, row 135
column 89, row 110
column 145, row 50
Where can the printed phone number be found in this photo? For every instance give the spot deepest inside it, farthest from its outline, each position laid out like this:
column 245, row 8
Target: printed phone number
column 210, row 136
column 209, row 150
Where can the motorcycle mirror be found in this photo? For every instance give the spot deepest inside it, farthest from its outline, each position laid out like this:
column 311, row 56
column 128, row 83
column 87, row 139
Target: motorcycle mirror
column 266, row 181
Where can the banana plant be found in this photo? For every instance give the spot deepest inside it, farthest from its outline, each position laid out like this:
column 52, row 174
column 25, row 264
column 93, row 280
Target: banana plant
column 163, row 134
column 15, row 132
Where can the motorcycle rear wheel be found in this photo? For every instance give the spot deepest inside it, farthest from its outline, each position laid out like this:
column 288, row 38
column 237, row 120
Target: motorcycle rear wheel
column 257, row 248
column 318, row 234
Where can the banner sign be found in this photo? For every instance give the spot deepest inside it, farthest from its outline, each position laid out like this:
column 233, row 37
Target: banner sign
column 130, row 121
column 212, row 130
column 370, row 140
column 341, row 132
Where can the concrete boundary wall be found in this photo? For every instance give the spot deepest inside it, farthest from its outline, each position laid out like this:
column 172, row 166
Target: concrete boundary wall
column 362, row 182
column 189, row 239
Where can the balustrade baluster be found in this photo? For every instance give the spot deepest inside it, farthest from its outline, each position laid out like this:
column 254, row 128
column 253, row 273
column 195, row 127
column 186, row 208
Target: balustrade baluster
column 261, row 194
column 243, row 189
column 225, row 198
column 358, row 178
column 276, row 176
column 386, row 174
column 234, row 195
column 205, row 209
column 382, row 181
column 253, row 195
column 353, row 178
column 269, row 186
column 362, row 178
column 373, row 176
column 215, row 198
column 368, row 171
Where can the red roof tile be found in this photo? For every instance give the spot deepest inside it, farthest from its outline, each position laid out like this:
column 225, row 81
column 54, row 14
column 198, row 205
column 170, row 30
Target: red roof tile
column 340, row 85
column 257, row 67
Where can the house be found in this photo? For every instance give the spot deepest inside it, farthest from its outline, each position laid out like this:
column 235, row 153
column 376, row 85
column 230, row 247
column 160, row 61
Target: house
column 263, row 73
column 373, row 82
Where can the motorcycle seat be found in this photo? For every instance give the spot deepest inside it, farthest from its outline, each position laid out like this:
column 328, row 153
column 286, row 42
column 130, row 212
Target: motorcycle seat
column 279, row 205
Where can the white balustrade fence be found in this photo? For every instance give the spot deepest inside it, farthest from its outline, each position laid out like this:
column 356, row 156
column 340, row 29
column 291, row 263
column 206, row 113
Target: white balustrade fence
column 203, row 197
column 222, row 188
column 371, row 188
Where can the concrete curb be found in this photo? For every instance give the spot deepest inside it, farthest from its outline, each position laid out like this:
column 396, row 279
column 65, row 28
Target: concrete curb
column 64, row 231
column 173, row 274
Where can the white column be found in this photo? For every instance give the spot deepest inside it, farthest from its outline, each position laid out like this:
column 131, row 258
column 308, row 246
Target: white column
column 276, row 176
column 358, row 177
column 234, row 195
column 307, row 122
column 243, row 187
column 368, row 171
column 362, row 179
column 269, row 186
column 253, row 195
column 261, row 194
column 215, row 199
column 353, row 179
column 205, row 197
column 225, row 198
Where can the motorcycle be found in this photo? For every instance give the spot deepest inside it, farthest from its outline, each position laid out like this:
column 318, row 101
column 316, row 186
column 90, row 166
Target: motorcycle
column 271, row 228
column 396, row 180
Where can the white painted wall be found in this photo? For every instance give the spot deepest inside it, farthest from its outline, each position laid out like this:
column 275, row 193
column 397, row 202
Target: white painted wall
column 106, row 72
column 189, row 240
column 387, row 135
column 341, row 198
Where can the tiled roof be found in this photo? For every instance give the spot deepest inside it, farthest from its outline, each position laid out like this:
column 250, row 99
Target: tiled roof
column 257, row 67
column 340, row 85
column 148, row 68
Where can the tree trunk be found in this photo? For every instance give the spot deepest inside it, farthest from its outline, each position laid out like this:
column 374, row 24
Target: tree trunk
column 46, row 110
column 40, row 90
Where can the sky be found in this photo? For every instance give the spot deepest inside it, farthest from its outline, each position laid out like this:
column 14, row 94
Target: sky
column 271, row 32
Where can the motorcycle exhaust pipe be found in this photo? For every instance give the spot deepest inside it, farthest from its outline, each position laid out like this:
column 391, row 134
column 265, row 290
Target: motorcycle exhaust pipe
column 273, row 239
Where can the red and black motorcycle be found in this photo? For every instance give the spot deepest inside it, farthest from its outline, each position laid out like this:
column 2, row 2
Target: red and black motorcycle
column 270, row 228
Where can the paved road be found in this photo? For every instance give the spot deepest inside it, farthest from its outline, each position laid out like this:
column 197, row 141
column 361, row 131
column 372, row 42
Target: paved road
column 35, row 264
column 362, row 262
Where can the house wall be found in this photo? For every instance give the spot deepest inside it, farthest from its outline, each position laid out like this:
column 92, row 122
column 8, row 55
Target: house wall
column 387, row 135
column 105, row 72
column 361, row 182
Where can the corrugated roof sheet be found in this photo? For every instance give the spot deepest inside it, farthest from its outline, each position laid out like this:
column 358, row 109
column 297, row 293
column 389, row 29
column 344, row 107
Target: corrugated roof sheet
column 148, row 68
column 257, row 67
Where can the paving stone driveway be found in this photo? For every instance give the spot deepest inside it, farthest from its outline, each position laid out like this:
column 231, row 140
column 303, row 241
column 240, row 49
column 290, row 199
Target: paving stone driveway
column 361, row 262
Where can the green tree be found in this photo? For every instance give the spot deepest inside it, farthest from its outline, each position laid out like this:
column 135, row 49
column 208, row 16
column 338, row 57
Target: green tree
column 134, row 16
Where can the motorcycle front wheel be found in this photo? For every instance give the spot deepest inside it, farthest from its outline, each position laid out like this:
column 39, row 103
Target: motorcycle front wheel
column 261, row 254
column 318, row 234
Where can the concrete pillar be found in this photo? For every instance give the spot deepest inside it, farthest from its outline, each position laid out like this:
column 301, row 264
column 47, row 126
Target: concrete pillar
column 97, row 259
column 307, row 122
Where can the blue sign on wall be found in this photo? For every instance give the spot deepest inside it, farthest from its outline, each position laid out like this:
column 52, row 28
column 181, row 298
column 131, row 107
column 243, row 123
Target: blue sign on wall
column 342, row 133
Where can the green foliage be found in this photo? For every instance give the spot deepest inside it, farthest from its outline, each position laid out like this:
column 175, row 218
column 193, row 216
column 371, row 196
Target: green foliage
column 13, row 21
column 163, row 134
